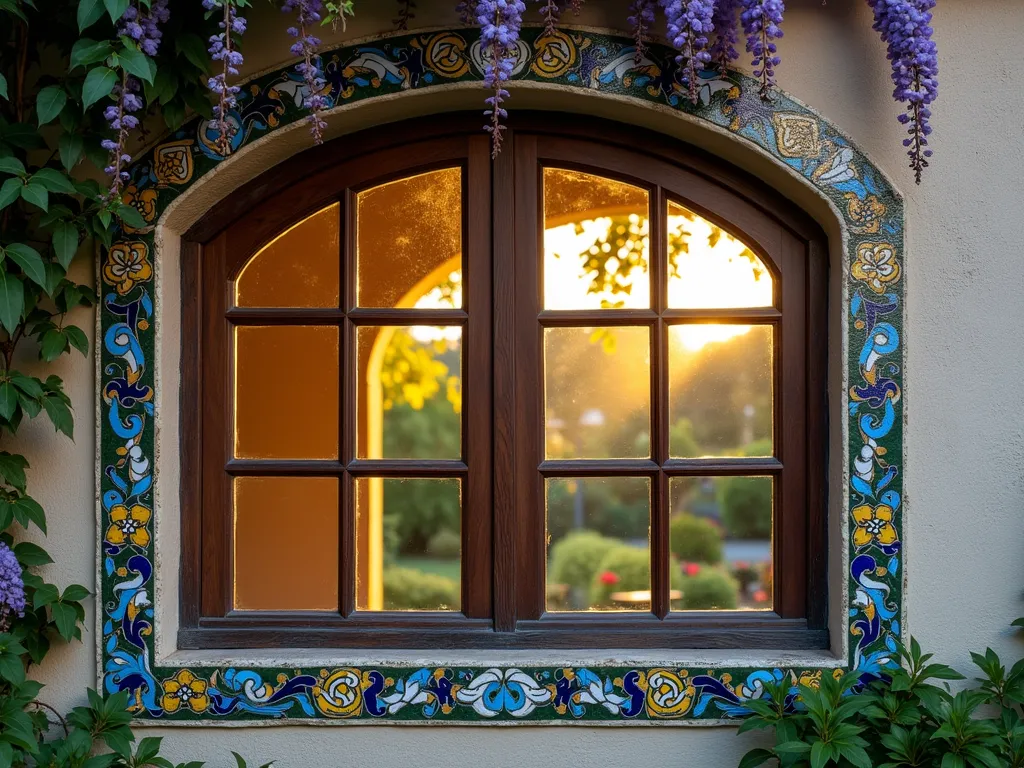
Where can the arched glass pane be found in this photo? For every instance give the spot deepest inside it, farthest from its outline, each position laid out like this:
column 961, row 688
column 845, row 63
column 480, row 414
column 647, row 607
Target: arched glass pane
column 298, row 268
column 596, row 242
column 409, row 239
column 709, row 268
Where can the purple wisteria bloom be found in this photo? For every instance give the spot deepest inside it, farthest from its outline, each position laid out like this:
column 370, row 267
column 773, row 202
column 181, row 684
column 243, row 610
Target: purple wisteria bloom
column 12, row 588
column 222, row 49
column 120, row 118
column 723, row 50
column 689, row 25
column 144, row 26
column 552, row 12
column 308, row 12
column 500, row 22
column 641, row 19
column 762, row 23
column 905, row 26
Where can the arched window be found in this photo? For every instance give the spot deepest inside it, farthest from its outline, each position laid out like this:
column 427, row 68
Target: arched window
column 570, row 397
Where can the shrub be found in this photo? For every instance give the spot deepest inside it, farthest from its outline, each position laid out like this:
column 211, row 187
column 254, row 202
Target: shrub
column 709, row 589
column 625, row 569
column 695, row 540
column 746, row 504
column 408, row 589
column 575, row 559
column 446, row 544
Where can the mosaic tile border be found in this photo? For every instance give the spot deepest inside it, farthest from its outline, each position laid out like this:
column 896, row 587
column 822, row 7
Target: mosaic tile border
column 788, row 131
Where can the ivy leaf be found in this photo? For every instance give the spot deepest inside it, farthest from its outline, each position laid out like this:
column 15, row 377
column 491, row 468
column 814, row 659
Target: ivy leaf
column 89, row 12
column 36, row 194
column 115, row 8
column 85, row 52
column 98, row 85
column 137, row 63
column 53, row 180
column 77, row 338
column 12, row 301
column 11, row 165
column 31, row 554
column 65, row 618
column 9, row 192
column 52, row 345
column 8, row 400
column 29, row 260
column 49, row 103
column 65, row 243
column 70, row 146
column 60, row 415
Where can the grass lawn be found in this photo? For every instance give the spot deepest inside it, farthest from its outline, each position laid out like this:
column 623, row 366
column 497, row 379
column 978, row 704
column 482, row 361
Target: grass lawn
column 447, row 568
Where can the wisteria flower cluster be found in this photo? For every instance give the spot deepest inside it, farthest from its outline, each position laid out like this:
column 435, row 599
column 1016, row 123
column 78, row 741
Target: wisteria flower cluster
column 308, row 13
column 905, row 27
column 689, row 25
column 641, row 19
column 500, row 22
column 222, row 49
column 762, row 24
column 121, row 120
column 144, row 26
column 723, row 50
column 12, row 587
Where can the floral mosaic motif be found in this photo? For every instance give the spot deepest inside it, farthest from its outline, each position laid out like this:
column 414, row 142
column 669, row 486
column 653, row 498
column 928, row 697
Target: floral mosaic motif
column 784, row 129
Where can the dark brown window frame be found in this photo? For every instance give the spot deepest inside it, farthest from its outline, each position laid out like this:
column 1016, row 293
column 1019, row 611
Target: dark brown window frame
column 503, row 591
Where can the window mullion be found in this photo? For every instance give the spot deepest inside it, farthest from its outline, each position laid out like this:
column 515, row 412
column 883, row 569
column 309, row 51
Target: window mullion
column 660, row 550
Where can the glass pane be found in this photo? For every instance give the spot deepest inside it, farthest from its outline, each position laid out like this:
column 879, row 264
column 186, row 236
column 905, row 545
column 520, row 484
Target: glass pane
column 299, row 268
column 410, row 392
column 598, row 535
column 709, row 268
column 596, row 243
column 720, row 534
column 720, row 390
column 274, row 367
column 409, row 241
column 597, row 393
column 286, row 544
column 408, row 544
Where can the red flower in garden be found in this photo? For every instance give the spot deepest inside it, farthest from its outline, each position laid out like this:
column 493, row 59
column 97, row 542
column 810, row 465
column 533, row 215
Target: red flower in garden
column 691, row 569
column 760, row 596
column 609, row 577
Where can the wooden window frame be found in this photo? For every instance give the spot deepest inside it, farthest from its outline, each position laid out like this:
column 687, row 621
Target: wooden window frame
column 503, row 512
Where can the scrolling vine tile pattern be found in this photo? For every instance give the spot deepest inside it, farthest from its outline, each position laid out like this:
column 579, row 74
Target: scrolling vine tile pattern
column 787, row 130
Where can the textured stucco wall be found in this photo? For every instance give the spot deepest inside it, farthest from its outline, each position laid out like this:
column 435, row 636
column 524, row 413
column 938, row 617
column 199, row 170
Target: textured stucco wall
column 964, row 383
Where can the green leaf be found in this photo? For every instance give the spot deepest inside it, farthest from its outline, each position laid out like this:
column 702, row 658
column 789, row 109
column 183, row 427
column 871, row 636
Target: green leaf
column 11, row 165
column 193, row 48
column 755, row 758
column 32, row 511
column 130, row 215
column 29, row 260
column 89, row 12
column 31, row 554
column 74, row 593
column 60, row 415
column 12, row 668
column 85, row 52
column 115, row 8
column 65, row 618
column 77, row 338
column 98, row 85
column 70, row 146
column 137, row 63
column 65, row 243
column 36, row 195
column 52, row 345
column 27, row 384
column 793, row 748
column 54, row 181
column 12, row 469
column 819, row 754
column 9, row 192
column 45, row 595
column 12, row 301
column 8, row 400
column 3, row 87
column 49, row 102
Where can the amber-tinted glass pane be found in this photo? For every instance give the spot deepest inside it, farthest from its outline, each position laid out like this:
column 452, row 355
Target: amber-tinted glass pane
column 596, row 244
column 409, row 241
column 408, row 544
column 299, row 268
column 709, row 268
column 410, row 392
column 720, row 390
column 721, row 539
column 597, row 393
column 598, row 534
column 277, row 367
column 286, row 544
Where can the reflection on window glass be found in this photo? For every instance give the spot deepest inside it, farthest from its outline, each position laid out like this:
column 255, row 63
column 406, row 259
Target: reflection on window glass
column 709, row 268
column 275, row 366
column 285, row 544
column 410, row 392
column 720, row 534
column 408, row 544
column 299, row 268
column 409, row 240
column 598, row 535
column 596, row 242
column 597, row 393
column 720, row 390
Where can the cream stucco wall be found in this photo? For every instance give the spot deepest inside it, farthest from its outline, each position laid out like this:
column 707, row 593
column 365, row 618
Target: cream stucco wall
column 964, row 384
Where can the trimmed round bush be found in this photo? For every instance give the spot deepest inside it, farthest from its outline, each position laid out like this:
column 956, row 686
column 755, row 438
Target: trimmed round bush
column 746, row 504
column 407, row 589
column 446, row 544
column 625, row 569
column 709, row 589
column 695, row 540
column 575, row 558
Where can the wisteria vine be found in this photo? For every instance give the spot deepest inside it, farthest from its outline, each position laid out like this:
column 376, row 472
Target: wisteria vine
column 500, row 22
column 222, row 49
column 307, row 13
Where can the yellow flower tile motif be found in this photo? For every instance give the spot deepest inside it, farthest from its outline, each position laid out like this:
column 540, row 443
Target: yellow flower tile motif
column 143, row 201
column 874, row 524
column 669, row 694
column 129, row 525
column 797, row 135
column 339, row 693
column 172, row 163
column 866, row 215
column 127, row 265
column 876, row 266
column 185, row 690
